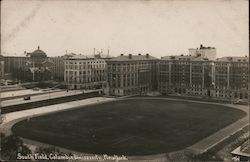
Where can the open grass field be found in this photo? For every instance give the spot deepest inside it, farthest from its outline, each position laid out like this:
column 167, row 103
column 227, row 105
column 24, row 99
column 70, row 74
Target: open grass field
column 129, row 126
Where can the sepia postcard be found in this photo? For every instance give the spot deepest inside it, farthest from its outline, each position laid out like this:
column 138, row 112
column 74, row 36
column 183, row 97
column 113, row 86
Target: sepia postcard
column 127, row 81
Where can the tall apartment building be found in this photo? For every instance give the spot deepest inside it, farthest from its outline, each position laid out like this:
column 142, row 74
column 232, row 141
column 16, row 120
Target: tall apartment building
column 82, row 72
column 225, row 78
column 205, row 52
column 188, row 75
column 131, row 74
column 231, row 78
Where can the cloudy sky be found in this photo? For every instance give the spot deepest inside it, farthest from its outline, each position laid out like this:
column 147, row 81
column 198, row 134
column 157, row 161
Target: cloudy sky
column 161, row 27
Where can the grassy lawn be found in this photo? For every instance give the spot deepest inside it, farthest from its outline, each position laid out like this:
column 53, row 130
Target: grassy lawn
column 130, row 127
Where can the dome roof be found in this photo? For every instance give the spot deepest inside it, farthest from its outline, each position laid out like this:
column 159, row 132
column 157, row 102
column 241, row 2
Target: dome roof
column 38, row 53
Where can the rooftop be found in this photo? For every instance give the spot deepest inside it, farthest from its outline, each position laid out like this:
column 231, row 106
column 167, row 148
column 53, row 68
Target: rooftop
column 131, row 57
column 233, row 59
column 38, row 53
column 73, row 56
column 184, row 58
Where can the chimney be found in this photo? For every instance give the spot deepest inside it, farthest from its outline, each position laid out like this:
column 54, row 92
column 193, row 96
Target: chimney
column 147, row 55
column 139, row 54
column 130, row 56
column 122, row 54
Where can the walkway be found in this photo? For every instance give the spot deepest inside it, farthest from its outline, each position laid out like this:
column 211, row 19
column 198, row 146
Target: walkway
column 26, row 92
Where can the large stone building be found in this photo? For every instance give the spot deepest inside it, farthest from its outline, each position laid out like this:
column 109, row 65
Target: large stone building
column 131, row 74
column 186, row 75
column 83, row 72
column 231, row 77
column 224, row 78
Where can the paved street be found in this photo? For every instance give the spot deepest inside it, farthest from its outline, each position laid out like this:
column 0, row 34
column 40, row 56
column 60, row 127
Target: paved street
column 21, row 93
column 40, row 97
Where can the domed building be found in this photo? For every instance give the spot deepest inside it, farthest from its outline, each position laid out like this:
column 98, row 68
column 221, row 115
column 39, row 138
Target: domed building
column 38, row 54
column 37, row 57
column 39, row 67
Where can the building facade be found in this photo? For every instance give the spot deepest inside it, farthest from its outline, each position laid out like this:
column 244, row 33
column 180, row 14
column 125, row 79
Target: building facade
column 12, row 64
column 1, row 67
column 82, row 72
column 34, row 66
column 58, row 70
column 231, row 78
column 223, row 78
column 185, row 75
column 132, row 74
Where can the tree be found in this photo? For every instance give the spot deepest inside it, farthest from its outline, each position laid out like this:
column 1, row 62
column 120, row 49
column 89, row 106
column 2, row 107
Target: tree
column 11, row 146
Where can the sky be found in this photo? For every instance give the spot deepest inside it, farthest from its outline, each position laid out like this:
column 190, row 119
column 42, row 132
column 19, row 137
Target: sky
column 160, row 28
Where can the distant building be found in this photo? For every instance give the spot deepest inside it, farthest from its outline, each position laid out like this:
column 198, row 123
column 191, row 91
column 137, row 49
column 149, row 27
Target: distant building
column 35, row 66
column 185, row 75
column 231, row 77
column 1, row 67
column 14, row 63
column 37, row 57
column 38, row 67
column 58, row 70
column 223, row 78
column 83, row 72
column 204, row 52
column 131, row 74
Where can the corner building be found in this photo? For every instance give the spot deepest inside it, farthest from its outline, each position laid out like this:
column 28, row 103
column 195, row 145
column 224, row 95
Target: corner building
column 225, row 78
column 231, row 78
column 82, row 72
column 131, row 74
